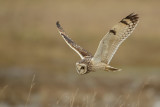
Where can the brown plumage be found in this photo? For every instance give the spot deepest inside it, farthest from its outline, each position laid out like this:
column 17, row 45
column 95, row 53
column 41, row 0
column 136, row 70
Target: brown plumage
column 107, row 46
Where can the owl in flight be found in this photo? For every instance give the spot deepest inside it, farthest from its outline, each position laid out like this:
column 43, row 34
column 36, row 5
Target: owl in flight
column 107, row 46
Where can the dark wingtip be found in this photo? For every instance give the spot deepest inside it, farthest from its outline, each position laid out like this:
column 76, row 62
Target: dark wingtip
column 58, row 25
column 133, row 17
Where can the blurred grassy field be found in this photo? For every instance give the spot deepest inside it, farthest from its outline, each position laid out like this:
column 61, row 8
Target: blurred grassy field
column 30, row 44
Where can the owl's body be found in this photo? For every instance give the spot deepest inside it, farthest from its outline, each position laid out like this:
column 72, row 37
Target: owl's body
column 93, row 66
column 106, row 49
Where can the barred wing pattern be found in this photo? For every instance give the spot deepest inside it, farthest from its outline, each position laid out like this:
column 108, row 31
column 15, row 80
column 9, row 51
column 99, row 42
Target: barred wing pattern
column 112, row 40
column 81, row 52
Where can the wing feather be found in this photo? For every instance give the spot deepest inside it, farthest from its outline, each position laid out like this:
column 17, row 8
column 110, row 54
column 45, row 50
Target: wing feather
column 78, row 49
column 113, row 39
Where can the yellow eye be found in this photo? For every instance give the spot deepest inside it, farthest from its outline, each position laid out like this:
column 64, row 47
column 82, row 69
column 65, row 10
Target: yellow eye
column 82, row 67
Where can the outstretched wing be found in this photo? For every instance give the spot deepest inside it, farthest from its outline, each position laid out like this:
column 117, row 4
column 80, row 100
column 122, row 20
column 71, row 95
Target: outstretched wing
column 112, row 40
column 81, row 52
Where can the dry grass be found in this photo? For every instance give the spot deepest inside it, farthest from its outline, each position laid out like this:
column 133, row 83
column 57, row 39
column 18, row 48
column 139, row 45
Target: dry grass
column 30, row 90
column 134, row 88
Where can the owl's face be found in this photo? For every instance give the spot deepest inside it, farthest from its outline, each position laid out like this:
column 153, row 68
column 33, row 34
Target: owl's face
column 81, row 68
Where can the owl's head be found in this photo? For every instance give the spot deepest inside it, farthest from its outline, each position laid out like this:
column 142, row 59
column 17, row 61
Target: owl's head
column 81, row 68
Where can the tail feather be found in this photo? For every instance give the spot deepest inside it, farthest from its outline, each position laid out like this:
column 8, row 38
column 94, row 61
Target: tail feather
column 112, row 69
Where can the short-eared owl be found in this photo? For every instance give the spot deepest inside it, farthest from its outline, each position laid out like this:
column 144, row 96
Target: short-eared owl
column 107, row 46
